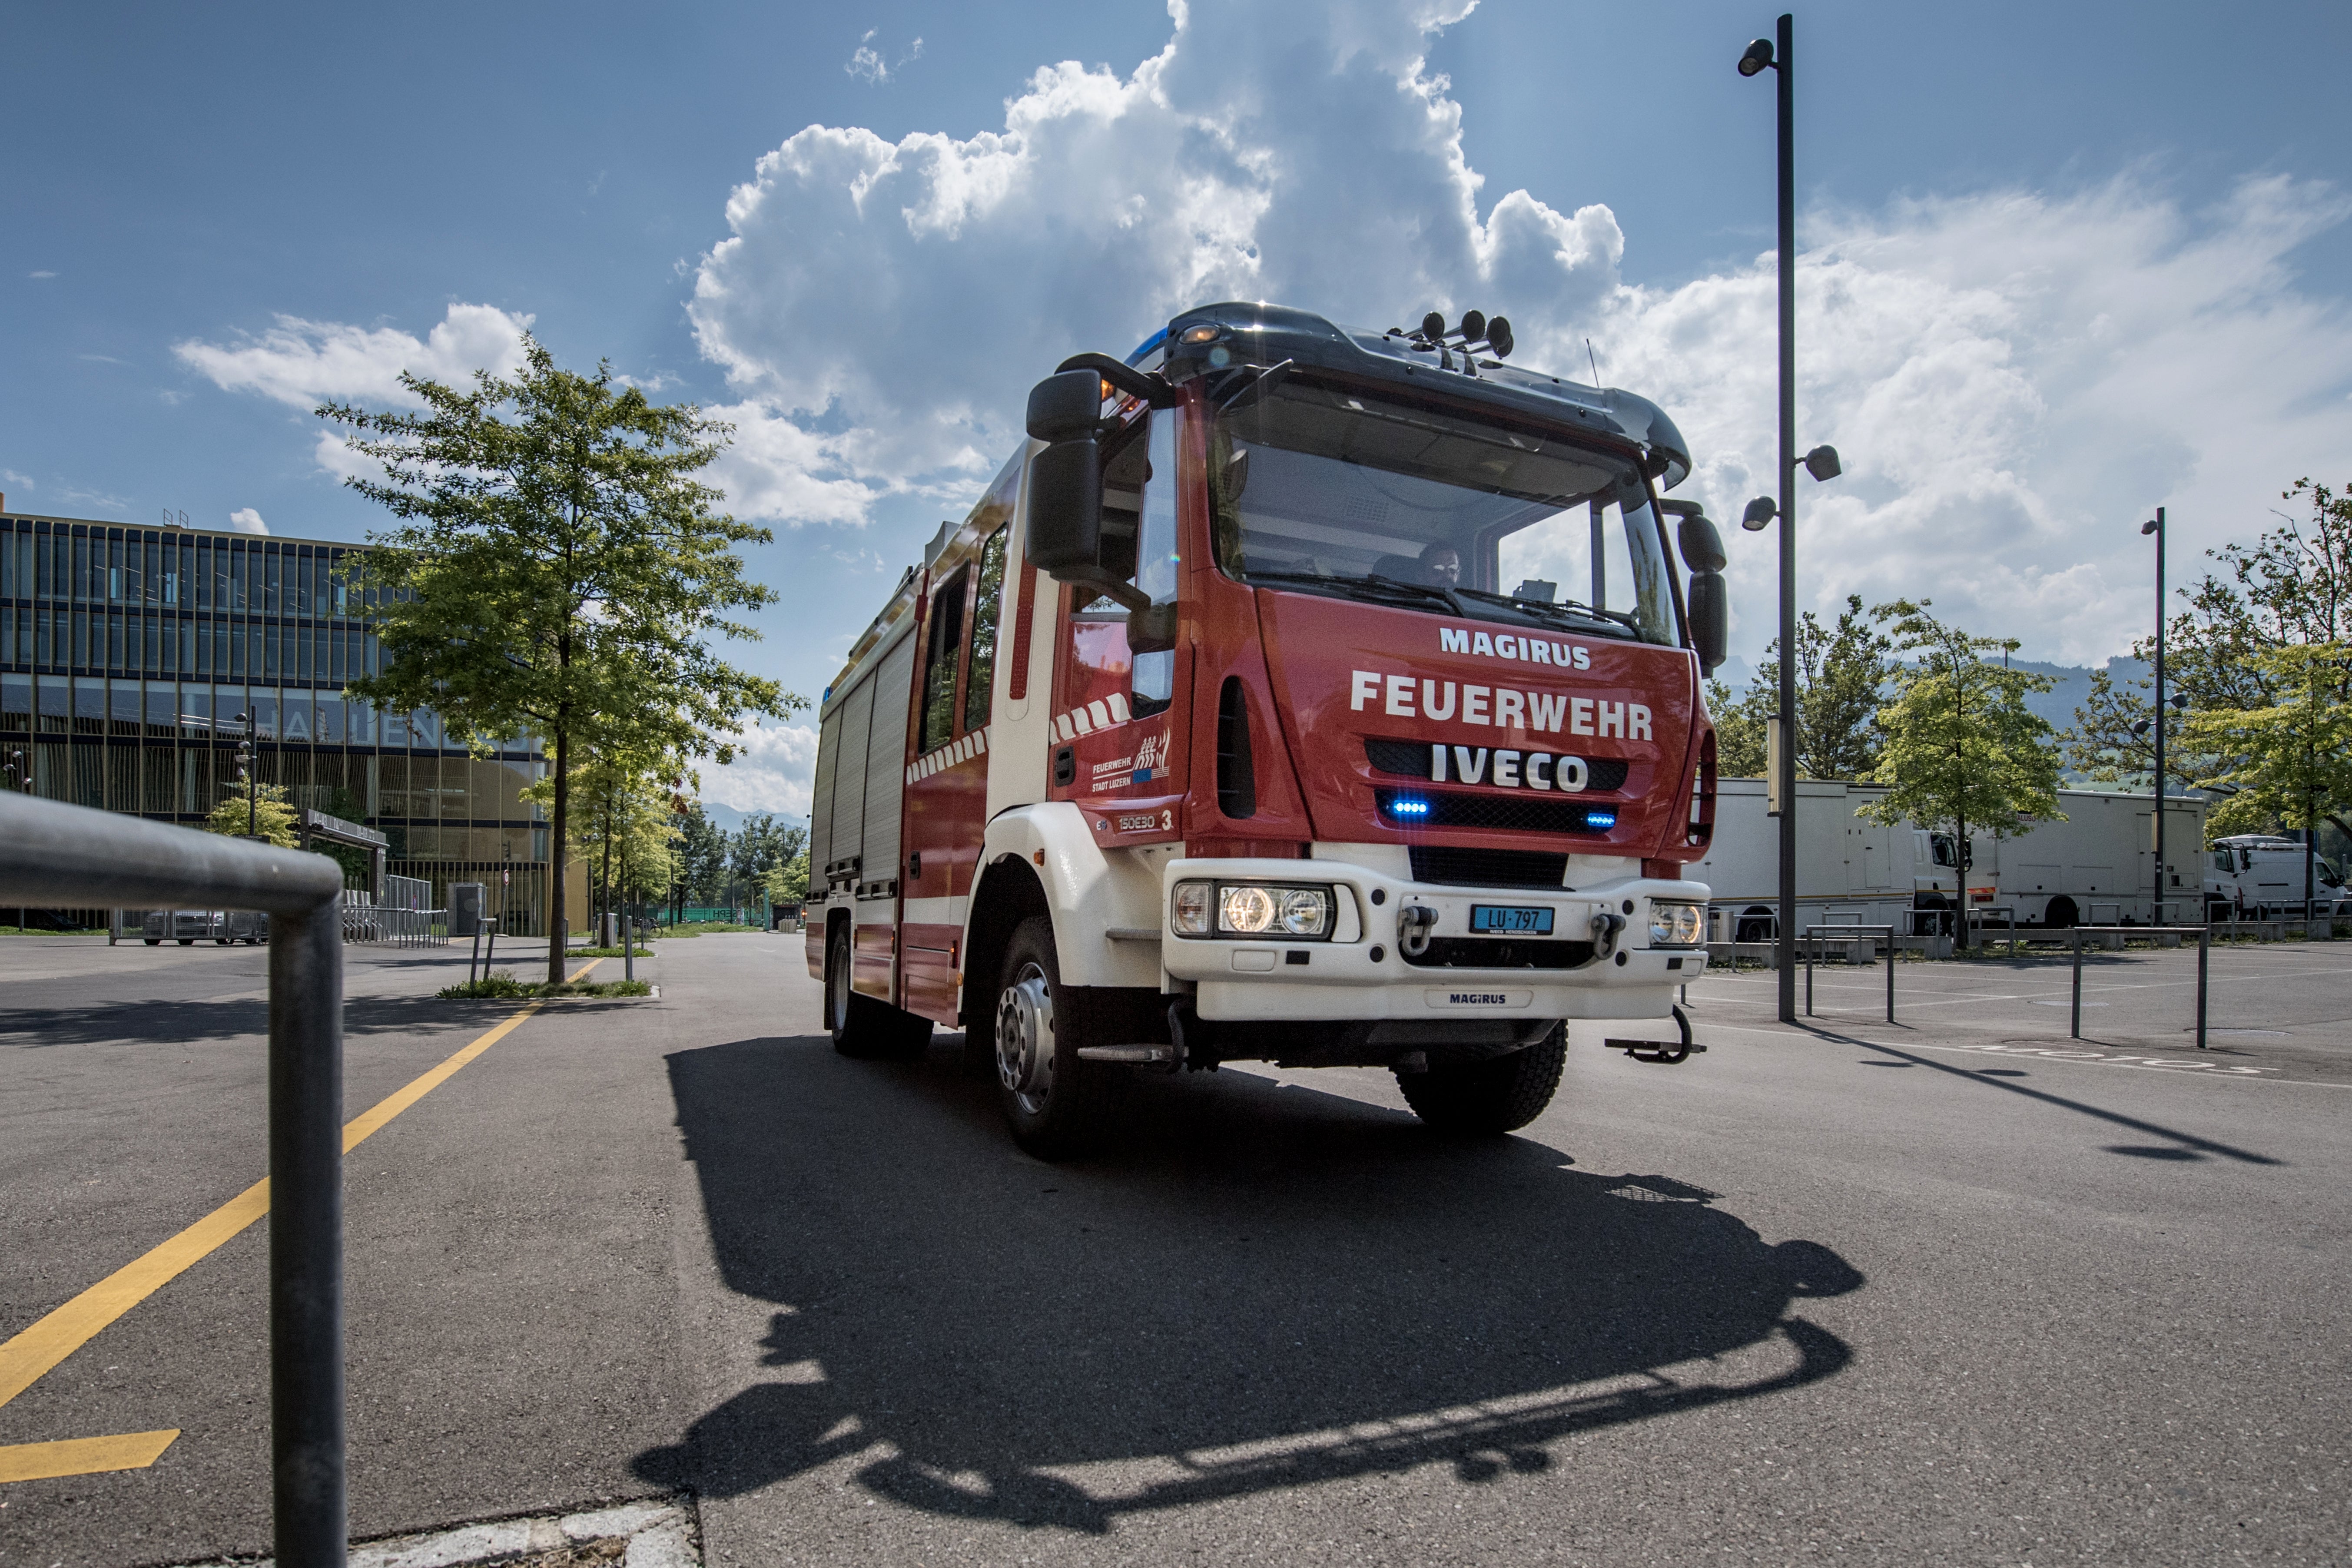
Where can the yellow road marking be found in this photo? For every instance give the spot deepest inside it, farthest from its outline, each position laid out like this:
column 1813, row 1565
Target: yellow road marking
column 28, row 1357
column 83, row 1455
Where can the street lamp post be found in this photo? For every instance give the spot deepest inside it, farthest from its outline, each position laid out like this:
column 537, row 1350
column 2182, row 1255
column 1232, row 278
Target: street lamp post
column 2156, row 904
column 1760, row 56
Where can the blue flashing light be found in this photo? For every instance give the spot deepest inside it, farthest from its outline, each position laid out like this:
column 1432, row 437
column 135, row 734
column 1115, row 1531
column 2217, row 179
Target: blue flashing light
column 1600, row 821
column 1406, row 806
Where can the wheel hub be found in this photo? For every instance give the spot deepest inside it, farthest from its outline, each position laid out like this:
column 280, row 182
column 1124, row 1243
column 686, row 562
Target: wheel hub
column 1024, row 1039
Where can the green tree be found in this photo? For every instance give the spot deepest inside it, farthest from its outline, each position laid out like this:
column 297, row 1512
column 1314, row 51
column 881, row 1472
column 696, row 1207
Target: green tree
column 701, row 856
column 2291, row 588
column 763, row 842
column 557, row 569
column 1961, row 748
column 622, row 825
column 2291, row 763
column 788, row 883
column 271, row 814
column 1842, row 674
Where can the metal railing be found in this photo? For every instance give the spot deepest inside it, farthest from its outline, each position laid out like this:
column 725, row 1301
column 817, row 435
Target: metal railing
column 2204, row 935
column 1812, row 937
column 53, row 853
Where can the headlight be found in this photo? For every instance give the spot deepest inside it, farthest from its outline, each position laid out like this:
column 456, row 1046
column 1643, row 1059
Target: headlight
column 1677, row 925
column 1249, row 909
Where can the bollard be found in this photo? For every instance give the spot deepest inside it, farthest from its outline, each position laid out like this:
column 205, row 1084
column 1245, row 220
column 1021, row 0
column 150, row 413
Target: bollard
column 2204, row 951
column 1810, row 941
column 1890, row 974
column 2077, row 1030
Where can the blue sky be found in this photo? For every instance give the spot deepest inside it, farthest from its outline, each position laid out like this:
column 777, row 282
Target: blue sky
column 2062, row 264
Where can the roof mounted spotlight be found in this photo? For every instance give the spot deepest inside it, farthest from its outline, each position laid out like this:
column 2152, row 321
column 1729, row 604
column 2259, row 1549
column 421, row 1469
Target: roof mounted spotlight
column 1474, row 327
column 1432, row 326
column 1760, row 513
column 1498, row 336
column 1758, row 57
column 1821, row 462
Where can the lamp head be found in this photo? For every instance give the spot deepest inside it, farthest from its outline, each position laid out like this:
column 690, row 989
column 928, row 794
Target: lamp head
column 2148, row 527
column 1821, row 462
column 1758, row 57
column 2139, row 726
column 1760, row 512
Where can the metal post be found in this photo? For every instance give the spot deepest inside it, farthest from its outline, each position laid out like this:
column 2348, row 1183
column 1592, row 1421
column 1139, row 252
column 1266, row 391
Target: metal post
column 475, row 955
column 2204, row 952
column 1811, row 939
column 2154, row 908
column 306, row 1239
column 2077, row 1030
column 54, row 854
column 1784, row 58
column 1890, row 974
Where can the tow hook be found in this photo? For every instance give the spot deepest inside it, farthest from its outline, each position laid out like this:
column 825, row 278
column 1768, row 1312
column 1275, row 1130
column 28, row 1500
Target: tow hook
column 1415, row 925
column 1664, row 1051
column 1605, row 927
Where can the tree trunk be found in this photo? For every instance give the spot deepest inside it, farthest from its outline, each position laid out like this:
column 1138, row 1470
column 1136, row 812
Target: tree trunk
column 558, row 929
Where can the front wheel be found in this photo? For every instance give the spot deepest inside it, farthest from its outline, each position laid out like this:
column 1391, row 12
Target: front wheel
column 154, row 941
column 1486, row 1099
column 1053, row 1101
column 187, row 941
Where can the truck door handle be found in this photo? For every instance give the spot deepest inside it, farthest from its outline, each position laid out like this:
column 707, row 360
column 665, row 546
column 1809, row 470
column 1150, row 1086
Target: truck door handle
column 915, row 864
column 1066, row 765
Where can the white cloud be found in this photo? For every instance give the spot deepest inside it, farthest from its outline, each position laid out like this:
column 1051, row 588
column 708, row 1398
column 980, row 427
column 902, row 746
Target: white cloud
column 245, row 520
column 775, row 770
column 43, row 274
column 302, row 362
column 22, row 481
column 867, row 64
column 2013, row 377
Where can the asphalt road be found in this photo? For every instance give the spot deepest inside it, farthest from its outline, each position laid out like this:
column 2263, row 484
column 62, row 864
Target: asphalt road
column 1956, row 1291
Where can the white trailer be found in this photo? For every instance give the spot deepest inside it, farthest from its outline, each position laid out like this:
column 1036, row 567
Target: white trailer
column 2095, row 866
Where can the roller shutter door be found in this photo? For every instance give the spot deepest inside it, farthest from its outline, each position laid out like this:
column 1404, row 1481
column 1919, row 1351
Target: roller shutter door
column 828, row 765
column 885, row 759
column 849, row 782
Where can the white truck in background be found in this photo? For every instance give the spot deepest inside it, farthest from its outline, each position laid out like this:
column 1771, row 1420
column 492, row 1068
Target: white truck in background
column 2259, row 874
column 2096, row 867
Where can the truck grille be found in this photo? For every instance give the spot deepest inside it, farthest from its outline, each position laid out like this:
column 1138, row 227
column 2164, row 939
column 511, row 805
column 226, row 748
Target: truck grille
column 1488, row 868
column 1508, row 952
column 1512, row 814
column 1409, row 760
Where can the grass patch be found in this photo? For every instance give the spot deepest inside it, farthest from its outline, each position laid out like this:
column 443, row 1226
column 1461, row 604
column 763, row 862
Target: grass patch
column 502, row 986
column 644, row 950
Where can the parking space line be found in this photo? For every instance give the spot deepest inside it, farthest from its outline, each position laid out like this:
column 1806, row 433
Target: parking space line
column 83, row 1455
column 29, row 1355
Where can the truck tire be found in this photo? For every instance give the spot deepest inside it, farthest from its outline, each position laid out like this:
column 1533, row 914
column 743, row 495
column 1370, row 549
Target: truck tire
column 154, row 941
column 1486, row 1099
column 187, row 941
column 1054, row 1102
column 862, row 1027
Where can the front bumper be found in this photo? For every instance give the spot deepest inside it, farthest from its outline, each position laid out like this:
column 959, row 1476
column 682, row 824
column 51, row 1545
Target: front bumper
column 1245, row 978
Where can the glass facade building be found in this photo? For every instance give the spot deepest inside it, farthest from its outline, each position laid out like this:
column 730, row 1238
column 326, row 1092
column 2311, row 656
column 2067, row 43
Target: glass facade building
column 133, row 660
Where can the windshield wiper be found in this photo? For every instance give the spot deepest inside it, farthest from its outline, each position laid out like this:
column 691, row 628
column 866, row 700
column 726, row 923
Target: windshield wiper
column 1570, row 609
column 1388, row 588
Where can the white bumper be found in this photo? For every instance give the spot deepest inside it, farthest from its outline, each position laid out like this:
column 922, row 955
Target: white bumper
column 1342, row 978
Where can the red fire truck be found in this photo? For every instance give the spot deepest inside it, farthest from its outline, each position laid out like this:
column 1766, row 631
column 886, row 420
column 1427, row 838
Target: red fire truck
column 1245, row 718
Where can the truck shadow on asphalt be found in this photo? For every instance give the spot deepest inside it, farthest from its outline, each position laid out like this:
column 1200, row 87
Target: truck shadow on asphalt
column 1252, row 1287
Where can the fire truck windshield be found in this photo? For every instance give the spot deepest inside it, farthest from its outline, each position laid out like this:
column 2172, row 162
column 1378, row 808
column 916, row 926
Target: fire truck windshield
column 1326, row 489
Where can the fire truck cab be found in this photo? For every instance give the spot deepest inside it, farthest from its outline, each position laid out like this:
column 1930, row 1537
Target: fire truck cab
column 1296, row 693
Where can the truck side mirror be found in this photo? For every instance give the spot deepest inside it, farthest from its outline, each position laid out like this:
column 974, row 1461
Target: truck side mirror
column 1066, row 509
column 1710, row 619
column 1711, row 595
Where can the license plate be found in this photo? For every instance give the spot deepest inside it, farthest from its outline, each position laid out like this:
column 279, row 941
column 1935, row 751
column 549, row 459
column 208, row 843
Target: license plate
column 1513, row 920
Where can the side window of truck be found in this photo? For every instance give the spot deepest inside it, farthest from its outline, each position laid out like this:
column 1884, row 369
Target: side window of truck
column 942, row 653
column 1153, row 679
column 988, row 608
